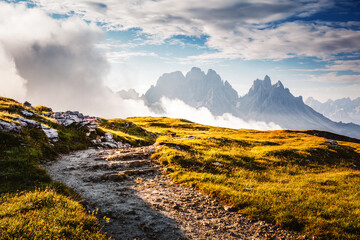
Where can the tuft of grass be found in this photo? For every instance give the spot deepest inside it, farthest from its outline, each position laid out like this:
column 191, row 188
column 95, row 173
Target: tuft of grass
column 289, row 178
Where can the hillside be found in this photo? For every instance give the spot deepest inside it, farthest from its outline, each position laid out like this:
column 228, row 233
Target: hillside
column 293, row 179
column 32, row 205
column 297, row 180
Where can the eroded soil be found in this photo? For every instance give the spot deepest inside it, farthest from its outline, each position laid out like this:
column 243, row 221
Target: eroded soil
column 127, row 187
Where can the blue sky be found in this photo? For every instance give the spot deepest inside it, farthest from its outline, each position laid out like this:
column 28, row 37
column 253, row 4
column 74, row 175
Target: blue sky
column 312, row 46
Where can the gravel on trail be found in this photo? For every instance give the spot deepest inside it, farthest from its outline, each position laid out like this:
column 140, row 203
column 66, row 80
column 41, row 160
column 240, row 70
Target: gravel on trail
column 128, row 187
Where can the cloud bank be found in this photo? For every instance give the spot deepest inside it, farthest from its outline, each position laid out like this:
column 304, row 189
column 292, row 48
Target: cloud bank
column 247, row 29
column 178, row 109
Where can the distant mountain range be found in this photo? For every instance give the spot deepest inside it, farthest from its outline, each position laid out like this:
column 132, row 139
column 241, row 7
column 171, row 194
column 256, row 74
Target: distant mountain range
column 264, row 102
column 344, row 109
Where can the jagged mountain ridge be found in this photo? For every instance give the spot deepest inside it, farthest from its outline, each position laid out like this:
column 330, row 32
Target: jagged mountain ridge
column 344, row 109
column 196, row 89
column 264, row 102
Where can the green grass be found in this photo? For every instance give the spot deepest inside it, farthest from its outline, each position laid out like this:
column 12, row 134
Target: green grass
column 289, row 178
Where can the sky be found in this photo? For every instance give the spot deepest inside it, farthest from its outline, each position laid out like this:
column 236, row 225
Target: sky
column 79, row 50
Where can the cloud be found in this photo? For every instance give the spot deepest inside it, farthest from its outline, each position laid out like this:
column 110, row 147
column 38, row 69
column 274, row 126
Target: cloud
column 55, row 63
column 183, row 17
column 335, row 66
column 12, row 85
column 236, row 29
column 334, row 78
column 287, row 40
column 344, row 65
column 175, row 108
column 121, row 56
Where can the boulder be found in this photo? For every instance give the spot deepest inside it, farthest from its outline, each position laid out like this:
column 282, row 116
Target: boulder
column 52, row 134
column 27, row 104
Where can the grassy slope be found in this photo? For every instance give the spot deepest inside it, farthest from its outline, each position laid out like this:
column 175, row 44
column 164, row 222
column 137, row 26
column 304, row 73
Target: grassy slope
column 32, row 206
column 290, row 178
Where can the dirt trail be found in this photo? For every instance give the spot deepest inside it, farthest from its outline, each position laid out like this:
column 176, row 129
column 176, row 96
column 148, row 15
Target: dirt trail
column 126, row 186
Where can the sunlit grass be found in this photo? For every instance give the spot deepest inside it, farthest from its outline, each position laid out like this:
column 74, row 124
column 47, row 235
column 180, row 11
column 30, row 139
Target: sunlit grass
column 45, row 214
column 126, row 131
column 290, row 178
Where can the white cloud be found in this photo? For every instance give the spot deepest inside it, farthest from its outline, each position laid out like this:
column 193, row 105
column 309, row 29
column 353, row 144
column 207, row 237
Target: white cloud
column 175, row 108
column 121, row 56
column 237, row 29
column 12, row 85
column 344, row 65
column 170, row 17
column 56, row 63
column 332, row 77
column 284, row 41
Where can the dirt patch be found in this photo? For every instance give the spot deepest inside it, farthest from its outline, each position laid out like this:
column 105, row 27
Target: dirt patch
column 127, row 187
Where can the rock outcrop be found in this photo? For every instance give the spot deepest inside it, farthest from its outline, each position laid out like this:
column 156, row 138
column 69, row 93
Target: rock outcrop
column 65, row 119
column 51, row 134
column 74, row 117
column 9, row 127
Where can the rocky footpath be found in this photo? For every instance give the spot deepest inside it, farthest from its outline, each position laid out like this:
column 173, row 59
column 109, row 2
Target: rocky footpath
column 127, row 187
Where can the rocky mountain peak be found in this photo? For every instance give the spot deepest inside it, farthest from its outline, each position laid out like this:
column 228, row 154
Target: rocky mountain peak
column 174, row 77
column 267, row 82
column 195, row 74
column 212, row 75
column 261, row 85
column 279, row 85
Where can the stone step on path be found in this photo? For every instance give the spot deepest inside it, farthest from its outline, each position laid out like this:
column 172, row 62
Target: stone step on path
column 128, row 187
column 111, row 165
